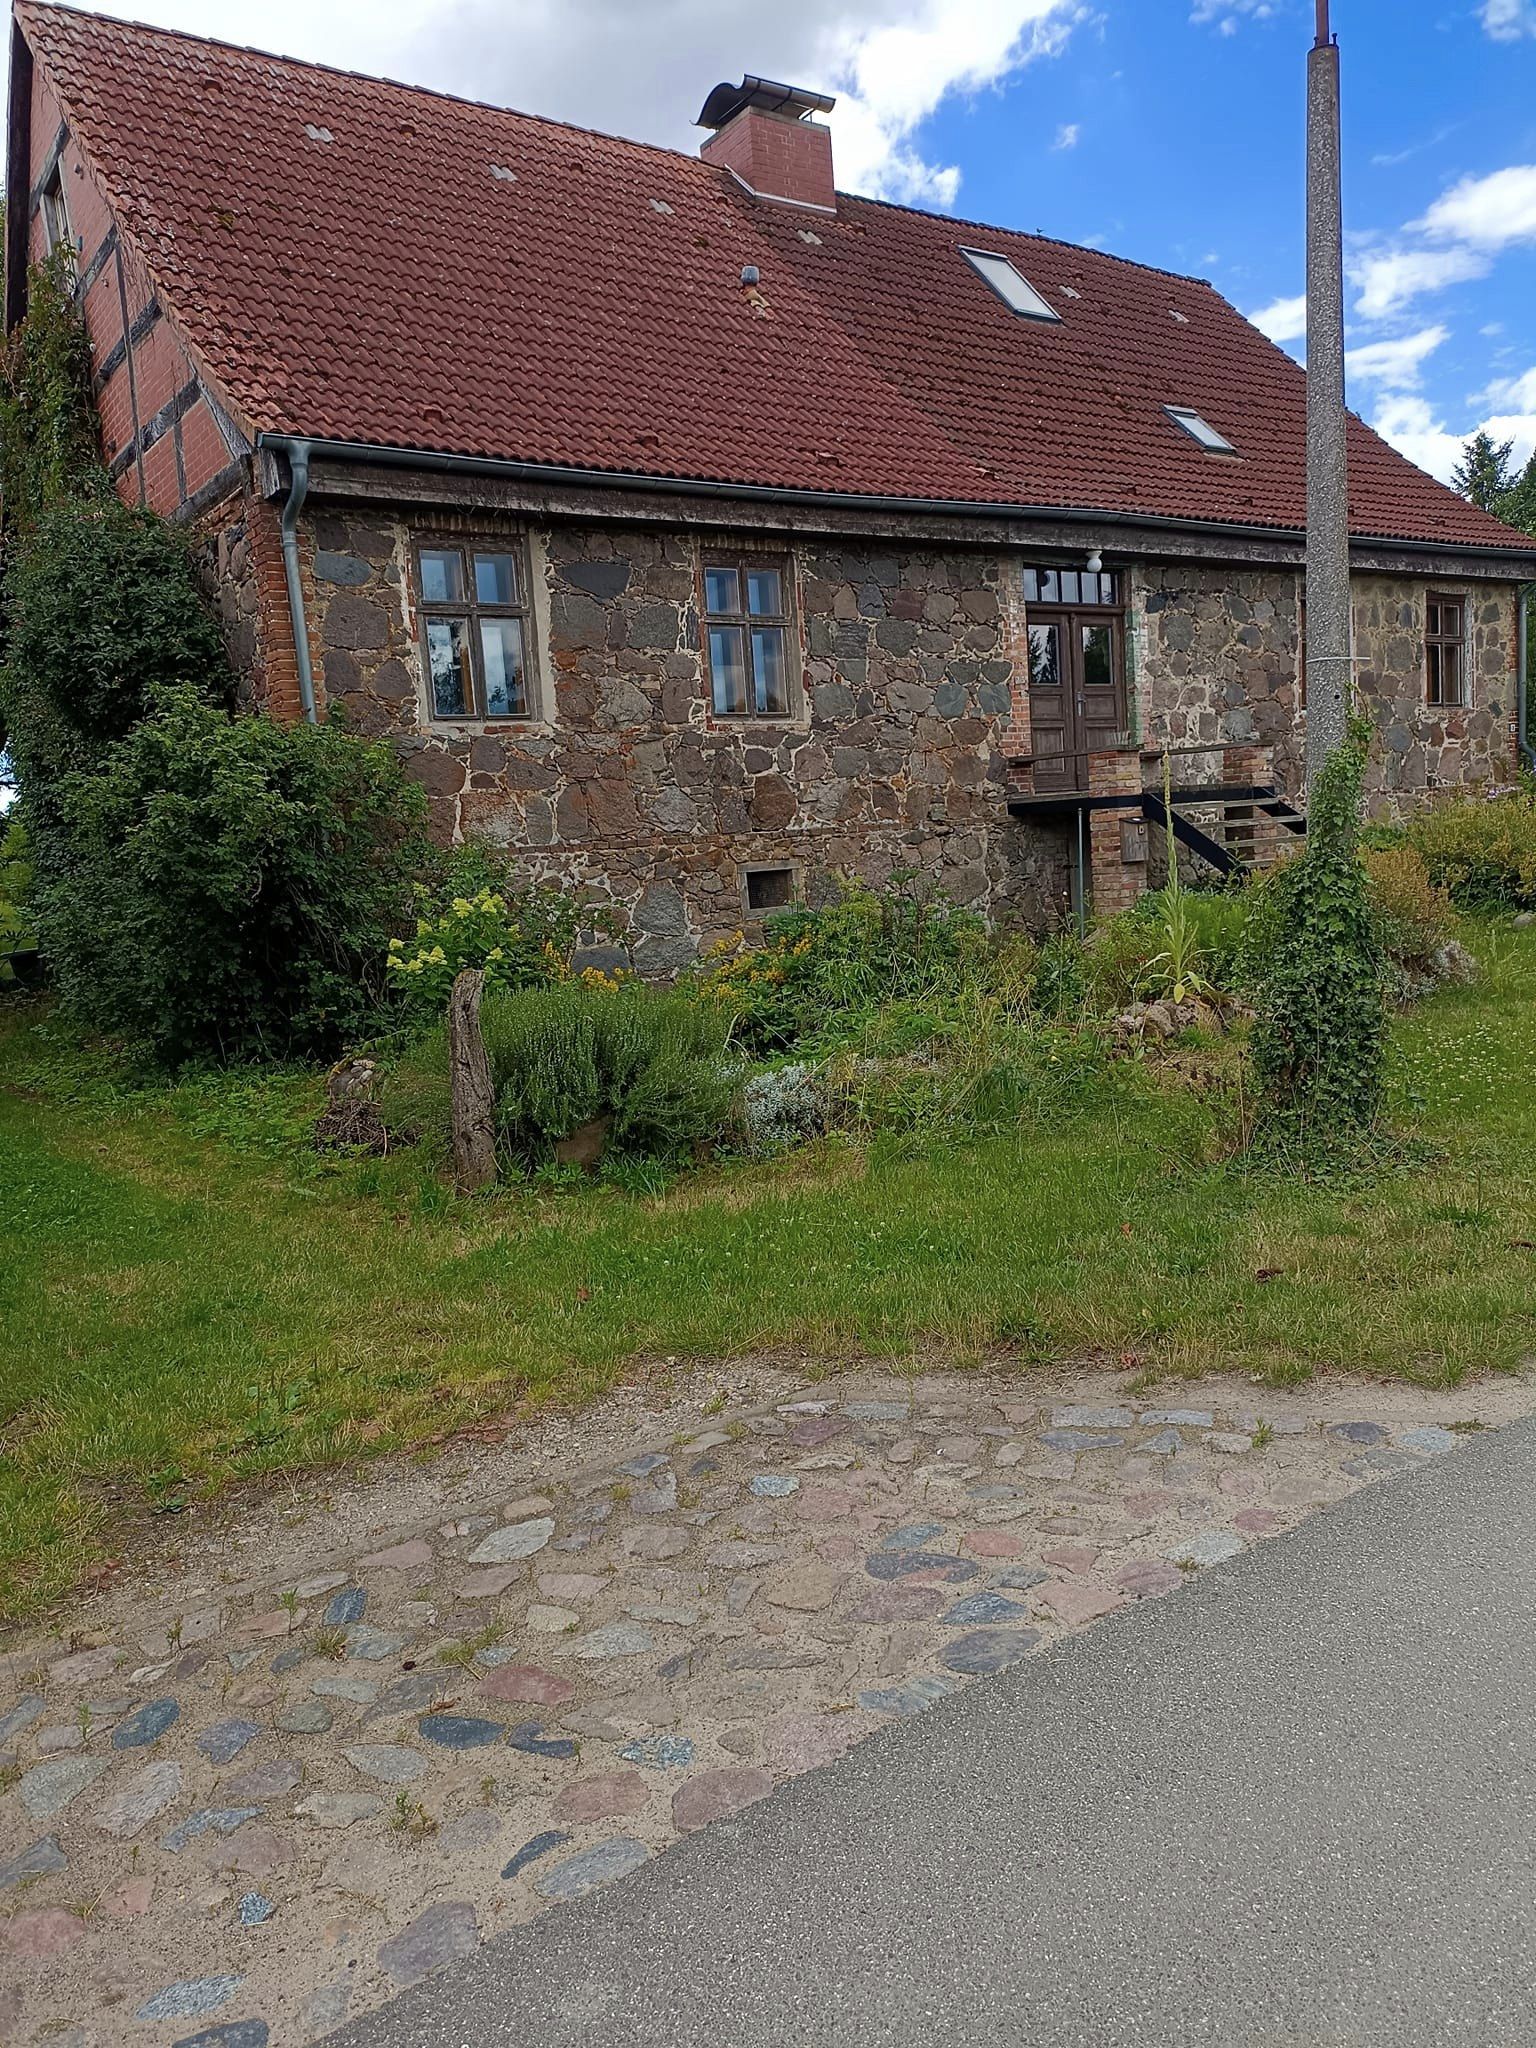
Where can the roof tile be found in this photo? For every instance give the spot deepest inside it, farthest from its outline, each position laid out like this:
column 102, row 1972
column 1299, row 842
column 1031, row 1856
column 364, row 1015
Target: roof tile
column 377, row 263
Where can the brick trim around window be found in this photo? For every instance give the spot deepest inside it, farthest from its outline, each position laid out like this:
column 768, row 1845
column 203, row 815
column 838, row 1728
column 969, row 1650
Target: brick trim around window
column 474, row 628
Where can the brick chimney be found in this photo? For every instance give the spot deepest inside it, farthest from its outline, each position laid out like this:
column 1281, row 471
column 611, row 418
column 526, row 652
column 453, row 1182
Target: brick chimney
column 763, row 133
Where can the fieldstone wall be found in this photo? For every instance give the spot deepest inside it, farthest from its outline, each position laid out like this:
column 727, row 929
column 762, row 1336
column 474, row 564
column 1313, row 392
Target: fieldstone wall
column 1217, row 661
column 224, row 559
column 911, row 695
column 626, row 784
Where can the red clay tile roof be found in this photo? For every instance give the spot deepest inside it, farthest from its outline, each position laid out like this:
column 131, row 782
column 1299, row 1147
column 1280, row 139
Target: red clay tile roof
column 376, row 263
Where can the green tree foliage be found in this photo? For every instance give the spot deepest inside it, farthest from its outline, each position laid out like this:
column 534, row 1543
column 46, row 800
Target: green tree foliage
column 227, row 887
column 102, row 608
column 1484, row 474
column 1319, row 1042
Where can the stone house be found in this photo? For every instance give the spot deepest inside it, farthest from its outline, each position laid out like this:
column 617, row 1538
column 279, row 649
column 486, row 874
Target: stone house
column 699, row 531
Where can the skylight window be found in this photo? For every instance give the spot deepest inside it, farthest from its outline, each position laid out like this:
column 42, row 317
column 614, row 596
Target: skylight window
column 1011, row 286
column 1199, row 429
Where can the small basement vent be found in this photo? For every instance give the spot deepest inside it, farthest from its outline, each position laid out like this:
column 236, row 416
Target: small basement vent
column 770, row 888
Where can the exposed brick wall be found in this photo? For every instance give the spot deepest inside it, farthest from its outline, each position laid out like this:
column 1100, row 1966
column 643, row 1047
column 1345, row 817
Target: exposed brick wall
column 777, row 156
column 161, row 437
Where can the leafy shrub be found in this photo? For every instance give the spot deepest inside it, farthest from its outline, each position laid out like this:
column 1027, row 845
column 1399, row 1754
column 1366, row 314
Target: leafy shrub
column 1480, row 849
column 227, row 887
column 818, row 969
column 1319, row 1041
column 103, row 609
column 472, row 912
column 783, row 1107
column 1414, row 917
column 16, row 935
column 657, row 1068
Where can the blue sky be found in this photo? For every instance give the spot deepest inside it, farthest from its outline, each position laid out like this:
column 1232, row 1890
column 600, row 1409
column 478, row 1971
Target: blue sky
column 1166, row 130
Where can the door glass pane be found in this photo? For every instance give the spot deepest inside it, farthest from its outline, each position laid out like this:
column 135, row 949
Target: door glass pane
column 1050, row 590
column 770, row 669
column 1069, row 586
column 501, row 657
column 1045, row 657
column 495, row 580
column 764, row 599
column 728, row 668
column 442, row 576
column 722, row 590
column 1098, row 658
column 1031, row 587
column 446, row 664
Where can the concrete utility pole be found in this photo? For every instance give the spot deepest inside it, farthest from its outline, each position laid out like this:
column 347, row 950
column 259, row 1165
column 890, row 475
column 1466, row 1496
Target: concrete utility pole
column 1328, row 634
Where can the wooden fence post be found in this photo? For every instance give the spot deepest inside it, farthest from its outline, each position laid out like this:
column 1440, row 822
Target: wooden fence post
column 473, row 1094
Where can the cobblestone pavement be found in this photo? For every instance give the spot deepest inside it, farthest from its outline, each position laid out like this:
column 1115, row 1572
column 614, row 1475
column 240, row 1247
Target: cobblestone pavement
column 256, row 1809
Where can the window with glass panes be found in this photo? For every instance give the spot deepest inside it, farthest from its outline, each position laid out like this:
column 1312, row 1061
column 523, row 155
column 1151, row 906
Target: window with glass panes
column 475, row 629
column 747, row 636
column 1444, row 650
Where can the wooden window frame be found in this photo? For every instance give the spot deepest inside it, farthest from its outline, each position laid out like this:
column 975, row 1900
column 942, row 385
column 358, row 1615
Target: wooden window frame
column 1034, row 572
column 471, row 610
column 745, row 562
column 1437, row 640
column 54, row 207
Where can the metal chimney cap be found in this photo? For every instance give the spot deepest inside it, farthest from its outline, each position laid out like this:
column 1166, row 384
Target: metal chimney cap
column 767, row 95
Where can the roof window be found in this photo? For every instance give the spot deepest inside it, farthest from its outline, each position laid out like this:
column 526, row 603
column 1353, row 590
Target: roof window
column 1199, row 429
column 1010, row 285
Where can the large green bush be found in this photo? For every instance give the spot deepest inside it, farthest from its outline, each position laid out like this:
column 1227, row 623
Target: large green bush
column 656, row 1068
column 227, row 887
column 1314, row 944
column 1480, row 849
column 102, row 610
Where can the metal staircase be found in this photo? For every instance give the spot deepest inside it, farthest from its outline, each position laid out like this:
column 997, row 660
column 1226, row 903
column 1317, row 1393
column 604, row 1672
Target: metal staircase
column 1240, row 827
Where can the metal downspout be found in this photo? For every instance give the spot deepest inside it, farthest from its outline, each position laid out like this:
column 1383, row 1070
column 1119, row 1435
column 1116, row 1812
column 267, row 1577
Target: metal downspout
column 1525, row 754
column 298, row 490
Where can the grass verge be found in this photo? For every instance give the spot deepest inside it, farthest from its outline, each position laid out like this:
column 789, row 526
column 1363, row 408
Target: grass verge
column 188, row 1299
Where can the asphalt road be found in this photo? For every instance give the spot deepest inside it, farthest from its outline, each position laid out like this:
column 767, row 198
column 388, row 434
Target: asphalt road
column 1292, row 1803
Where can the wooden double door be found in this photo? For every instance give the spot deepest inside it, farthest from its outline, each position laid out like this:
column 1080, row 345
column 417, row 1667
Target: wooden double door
column 1076, row 691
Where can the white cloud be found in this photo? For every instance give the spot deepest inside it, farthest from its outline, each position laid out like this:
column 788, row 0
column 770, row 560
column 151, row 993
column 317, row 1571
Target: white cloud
column 1387, row 280
column 643, row 67
column 1227, row 15
column 1066, row 135
column 1417, row 430
column 1394, row 365
column 1283, row 319
column 1489, row 212
column 1517, row 394
column 1508, row 20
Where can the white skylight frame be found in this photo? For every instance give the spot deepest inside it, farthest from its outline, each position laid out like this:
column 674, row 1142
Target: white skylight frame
column 1003, row 275
column 1199, row 430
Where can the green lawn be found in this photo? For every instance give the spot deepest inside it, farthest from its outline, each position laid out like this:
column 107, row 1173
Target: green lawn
column 186, row 1300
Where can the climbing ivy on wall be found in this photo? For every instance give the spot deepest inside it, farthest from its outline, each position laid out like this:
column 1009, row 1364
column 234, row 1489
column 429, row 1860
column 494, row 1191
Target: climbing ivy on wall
column 1319, row 1044
column 50, row 442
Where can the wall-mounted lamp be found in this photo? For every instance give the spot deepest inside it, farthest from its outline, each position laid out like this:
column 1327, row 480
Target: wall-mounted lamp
column 1095, row 562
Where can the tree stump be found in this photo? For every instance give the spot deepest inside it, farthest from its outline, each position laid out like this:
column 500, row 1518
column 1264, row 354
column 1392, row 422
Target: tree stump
column 473, row 1094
